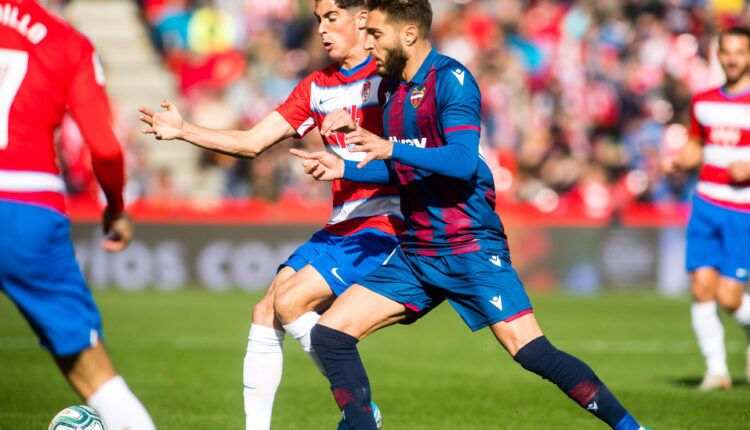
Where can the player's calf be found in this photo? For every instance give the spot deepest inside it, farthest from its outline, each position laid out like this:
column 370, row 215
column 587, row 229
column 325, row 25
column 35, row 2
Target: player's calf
column 577, row 380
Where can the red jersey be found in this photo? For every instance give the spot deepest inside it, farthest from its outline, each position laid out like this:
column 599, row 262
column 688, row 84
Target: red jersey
column 46, row 68
column 356, row 205
column 722, row 122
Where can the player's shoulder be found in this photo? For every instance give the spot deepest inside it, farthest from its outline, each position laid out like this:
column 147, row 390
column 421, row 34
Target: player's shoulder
column 711, row 94
column 451, row 72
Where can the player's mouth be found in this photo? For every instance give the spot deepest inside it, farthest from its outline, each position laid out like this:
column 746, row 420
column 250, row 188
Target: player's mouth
column 327, row 46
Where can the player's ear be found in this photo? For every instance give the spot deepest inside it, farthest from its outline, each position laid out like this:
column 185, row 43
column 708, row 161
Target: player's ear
column 361, row 19
column 410, row 35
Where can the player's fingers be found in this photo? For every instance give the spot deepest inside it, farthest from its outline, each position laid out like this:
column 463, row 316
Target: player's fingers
column 300, row 153
column 113, row 245
column 369, row 157
column 149, row 130
column 147, row 119
column 146, row 110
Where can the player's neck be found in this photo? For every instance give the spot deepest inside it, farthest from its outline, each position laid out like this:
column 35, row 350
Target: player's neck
column 419, row 53
column 354, row 60
column 740, row 85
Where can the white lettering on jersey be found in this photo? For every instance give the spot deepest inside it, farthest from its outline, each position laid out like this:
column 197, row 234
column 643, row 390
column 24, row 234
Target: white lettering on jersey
column 460, row 75
column 9, row 18
column 419, row 143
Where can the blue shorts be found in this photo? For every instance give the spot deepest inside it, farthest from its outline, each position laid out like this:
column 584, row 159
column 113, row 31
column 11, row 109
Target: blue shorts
column 343, row 260
column 481, row 286
column 40, row 274
column 718, row 237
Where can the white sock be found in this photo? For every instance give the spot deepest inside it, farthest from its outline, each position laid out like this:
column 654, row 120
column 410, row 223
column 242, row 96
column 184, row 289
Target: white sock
column 710, row 333
column 119, row 408
column 742, row 314
column 261, row 375
column 300, row 329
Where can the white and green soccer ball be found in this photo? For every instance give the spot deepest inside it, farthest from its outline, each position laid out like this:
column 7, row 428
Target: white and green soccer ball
column 77, row 418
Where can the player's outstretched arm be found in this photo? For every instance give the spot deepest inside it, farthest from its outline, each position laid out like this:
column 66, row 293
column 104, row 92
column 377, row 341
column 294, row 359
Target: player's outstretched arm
column 169, row 124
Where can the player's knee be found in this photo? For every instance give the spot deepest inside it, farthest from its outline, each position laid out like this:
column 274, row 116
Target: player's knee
column 287, row 304
column 263, row 312
column 729, row 299
column 703, row 291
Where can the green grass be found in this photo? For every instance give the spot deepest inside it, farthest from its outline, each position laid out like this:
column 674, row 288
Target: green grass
column 182, row 354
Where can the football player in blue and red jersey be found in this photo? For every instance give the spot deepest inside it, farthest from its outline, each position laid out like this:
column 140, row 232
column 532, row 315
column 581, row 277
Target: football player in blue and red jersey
column 455, row 248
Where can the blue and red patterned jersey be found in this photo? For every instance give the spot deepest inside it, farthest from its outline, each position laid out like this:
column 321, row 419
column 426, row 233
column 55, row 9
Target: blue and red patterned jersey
column 447, row 190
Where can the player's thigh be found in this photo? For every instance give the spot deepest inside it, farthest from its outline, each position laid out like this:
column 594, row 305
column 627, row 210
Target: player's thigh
column 360, row 311
column 483, row 287
column 350, row 258
column 516, row 333
column 305, row 291
column 41, row 275
column 703, row 236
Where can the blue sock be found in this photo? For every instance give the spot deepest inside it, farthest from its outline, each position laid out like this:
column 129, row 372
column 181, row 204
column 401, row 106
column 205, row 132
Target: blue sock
column 576, row 379
column 349, row 384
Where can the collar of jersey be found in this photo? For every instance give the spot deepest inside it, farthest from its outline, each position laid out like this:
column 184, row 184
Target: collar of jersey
column 421, row 74
column 745, row 91
column 350, row 72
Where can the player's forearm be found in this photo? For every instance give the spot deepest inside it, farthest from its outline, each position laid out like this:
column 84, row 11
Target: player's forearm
column 690, row 156
column 375, row 172
column 110, row 172
column 236, row 143
column 459, row 159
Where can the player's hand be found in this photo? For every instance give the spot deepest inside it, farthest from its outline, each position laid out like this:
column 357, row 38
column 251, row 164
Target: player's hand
column 338, row 120
column 374, row 146
column 322, row 165
column 118, row 229
column 739, row 171
column 165, row 125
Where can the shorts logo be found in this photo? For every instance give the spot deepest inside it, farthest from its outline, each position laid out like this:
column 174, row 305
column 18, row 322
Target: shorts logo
column 495, row 259
column 335, row 272
column 366, row 91
column 592, row 406
column 497, row 302
column 417, row 94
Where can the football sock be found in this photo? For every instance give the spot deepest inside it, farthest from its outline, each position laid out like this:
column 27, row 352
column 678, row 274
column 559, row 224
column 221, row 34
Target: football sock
column 710, row 334
column 576, row 379
column 349, row 384
column 742, row 314
column 300, row 329
column 119, row 408
column 261, row 375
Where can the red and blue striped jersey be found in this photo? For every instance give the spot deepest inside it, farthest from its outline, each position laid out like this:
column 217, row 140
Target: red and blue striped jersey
column 356, row 205
column 447, row 212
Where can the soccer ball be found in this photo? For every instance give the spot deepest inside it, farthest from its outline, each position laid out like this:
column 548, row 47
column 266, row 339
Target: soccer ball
column 77, row 418
column 375, row 412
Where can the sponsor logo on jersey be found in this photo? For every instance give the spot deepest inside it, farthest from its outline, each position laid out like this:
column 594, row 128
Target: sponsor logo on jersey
column 420, row 143
column 417, row 94
column 366, row 91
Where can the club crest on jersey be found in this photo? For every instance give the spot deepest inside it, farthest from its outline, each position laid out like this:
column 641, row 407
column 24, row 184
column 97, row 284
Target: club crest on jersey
column 366, row 91
column 417, row 94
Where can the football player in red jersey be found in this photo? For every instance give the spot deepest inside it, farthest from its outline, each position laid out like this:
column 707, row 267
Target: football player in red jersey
column 46, row 69
column 365, row 220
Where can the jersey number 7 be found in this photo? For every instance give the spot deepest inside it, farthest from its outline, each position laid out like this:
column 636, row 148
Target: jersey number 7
column 13, row 67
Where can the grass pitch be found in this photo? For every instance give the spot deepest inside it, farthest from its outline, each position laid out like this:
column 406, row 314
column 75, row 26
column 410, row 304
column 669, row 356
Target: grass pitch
column 182, row 355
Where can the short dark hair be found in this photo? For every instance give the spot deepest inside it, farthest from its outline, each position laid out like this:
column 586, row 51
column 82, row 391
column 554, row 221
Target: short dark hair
column 349, row 4
column 735, row 31
column 417, row 12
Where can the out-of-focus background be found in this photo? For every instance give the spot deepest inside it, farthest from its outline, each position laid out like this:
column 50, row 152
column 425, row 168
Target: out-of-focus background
column 580, row 101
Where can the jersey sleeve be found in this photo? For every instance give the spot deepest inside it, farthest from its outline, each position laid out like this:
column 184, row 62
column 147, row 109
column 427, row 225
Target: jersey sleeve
column 459, row 102
column 88, row 103
column 695, row 130
column 297, row 110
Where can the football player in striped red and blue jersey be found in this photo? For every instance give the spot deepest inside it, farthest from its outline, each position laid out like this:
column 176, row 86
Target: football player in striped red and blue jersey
column 454, row 248
column 365, row 221
column 719, row 229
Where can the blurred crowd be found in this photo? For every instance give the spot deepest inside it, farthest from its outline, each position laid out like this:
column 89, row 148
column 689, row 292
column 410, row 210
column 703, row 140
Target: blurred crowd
column 581, row 98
